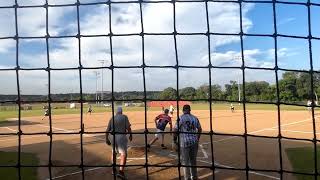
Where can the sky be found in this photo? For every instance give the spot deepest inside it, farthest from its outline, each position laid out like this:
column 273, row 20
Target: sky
column 257, row 18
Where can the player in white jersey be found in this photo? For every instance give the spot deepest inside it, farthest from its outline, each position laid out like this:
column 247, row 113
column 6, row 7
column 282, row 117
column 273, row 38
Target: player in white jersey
column 189, row 130
column 171, row 110
column 309, row 104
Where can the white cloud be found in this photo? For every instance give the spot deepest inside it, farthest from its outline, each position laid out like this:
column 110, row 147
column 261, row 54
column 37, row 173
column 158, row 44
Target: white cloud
column 6, row 45
column 282, row 52
column 159, row 50
column 285, row 21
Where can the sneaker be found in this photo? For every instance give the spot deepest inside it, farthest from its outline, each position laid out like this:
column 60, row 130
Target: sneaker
column 163, row 147
column 121, row 175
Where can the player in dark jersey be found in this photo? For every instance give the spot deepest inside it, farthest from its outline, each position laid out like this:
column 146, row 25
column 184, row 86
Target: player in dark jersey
column 161, row 122
column 89, row 109
column 46, row 114
column 231, row 107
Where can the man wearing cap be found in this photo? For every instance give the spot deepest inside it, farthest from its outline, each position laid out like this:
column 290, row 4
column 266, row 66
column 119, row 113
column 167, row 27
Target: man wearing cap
column 119, row 124
column 161, row 122
column 188, row 129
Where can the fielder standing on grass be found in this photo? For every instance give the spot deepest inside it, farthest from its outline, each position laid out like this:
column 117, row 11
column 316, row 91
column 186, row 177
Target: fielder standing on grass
column 121, row 125
column 188, row 126
column 161, row 122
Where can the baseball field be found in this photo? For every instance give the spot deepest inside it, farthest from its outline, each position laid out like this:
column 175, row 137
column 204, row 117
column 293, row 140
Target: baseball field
column 229, row 152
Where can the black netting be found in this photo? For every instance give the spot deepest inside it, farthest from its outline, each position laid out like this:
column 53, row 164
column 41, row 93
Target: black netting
column 110, row 35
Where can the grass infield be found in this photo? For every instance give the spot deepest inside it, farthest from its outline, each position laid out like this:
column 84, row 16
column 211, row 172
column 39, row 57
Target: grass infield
column 11, row 158
column 302, row 160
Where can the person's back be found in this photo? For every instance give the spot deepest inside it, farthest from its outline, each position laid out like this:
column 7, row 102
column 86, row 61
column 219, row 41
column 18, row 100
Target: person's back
column 187, row 128
column 120, row 124
column 189, row 124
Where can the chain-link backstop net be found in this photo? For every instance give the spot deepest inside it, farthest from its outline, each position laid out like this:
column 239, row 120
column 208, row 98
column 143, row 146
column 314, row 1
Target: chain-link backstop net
column 142, row 66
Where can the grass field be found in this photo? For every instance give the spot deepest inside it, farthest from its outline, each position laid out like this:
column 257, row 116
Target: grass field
column 12, row 112
column 302, row 160
column 10, row 158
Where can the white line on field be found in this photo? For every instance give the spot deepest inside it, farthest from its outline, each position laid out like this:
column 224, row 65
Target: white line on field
column 142, row 158
column 302, row 132
column 68, row 131
column 78, row 172
column 9, row 129
column 204, row 152
column 74, row 173
column 265, row 175
column 60, row 129
column 207, row 175
column 136, row 146
column 264, row 129
column 251, row 172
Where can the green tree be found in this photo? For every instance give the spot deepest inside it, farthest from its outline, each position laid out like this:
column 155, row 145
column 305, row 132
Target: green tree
column 287, row 87
column 257, row 90
column 216, row 92
column 231, row 91
column 168, row 93
column 188, row 93
column 202, row 92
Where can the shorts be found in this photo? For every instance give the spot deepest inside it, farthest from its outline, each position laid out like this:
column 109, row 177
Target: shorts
column 121, row 143
column 159, row 133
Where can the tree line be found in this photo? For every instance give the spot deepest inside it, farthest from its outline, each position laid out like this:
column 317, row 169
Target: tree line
column 293, row 87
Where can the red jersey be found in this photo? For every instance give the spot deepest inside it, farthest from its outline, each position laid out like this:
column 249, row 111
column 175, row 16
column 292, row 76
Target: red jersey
column 163, row 120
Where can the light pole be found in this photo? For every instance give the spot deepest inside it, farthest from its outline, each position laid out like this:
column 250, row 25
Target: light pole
column 97, row 74
column 239, row 90
column 102, row 64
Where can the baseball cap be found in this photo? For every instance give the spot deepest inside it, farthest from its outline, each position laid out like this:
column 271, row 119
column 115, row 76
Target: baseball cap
column 186, row 107
column 119, row 110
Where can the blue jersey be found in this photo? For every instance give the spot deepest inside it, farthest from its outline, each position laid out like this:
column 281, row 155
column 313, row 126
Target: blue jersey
column 188, row 124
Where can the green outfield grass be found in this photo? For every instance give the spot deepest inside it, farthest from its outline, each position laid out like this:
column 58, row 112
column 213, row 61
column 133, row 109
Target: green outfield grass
column 7, row 112
column 11, row 158
column 302, row 160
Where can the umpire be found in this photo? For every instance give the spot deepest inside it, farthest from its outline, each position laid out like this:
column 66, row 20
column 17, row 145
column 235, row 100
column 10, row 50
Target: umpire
column 188, row 126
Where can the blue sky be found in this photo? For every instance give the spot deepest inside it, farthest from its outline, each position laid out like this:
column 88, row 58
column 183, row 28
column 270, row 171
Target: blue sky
column 293, row 53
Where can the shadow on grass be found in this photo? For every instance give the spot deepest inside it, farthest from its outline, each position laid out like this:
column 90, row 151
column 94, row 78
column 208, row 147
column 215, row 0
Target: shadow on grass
column 303, row 161
column 11, row 158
